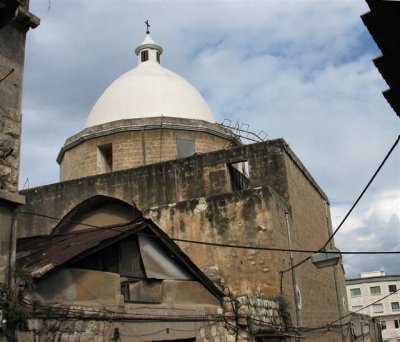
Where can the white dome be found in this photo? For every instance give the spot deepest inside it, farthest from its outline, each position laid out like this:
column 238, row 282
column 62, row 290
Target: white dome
column 149, row 90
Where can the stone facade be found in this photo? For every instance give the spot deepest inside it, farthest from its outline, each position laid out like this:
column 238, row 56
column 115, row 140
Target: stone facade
column 195, row 199
column 138, row 142
column 15, row 21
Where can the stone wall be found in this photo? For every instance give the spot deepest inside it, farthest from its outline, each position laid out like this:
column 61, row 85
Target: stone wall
column 163, row 183
column 192, row 198
column 239, row 319
column 15, row 21
column 134, row 149
column 310, row 228
column 253, row 217
column 138, row 142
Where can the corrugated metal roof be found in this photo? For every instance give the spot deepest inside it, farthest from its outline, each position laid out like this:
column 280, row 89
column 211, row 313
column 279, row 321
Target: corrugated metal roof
column 39, row 255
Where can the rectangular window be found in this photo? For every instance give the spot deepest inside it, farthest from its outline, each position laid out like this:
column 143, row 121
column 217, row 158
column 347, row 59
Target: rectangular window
column 185, row 147
column 239, row 172
column 396, row 323
column 130, row 261
column 355, row 292
column 356, row 308
column 377, row 308
column 144, row 56
column 158, row 57
column 375, row 290
column 392, row 288
column 383, row 325
column 395, row 306
column 104, row 158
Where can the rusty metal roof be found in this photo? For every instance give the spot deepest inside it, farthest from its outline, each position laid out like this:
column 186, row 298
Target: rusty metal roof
column 39, row 255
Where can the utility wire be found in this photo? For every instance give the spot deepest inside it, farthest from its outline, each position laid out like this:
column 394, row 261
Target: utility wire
column 273, row 249
column 353, row 206
column 377, row 301
column 365, row 189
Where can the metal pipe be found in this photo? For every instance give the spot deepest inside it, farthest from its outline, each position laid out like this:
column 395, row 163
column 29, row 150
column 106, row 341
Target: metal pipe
column 143, row 148
column 334, row 269
column 294, row 282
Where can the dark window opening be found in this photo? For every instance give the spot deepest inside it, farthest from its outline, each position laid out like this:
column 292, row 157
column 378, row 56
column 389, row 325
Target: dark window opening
column 185, row 147
column 123, row 258
column 392, row 288
column 104, row 158
column 239, row 173
column 158, row 57
column 144, row 55
column 397, row 324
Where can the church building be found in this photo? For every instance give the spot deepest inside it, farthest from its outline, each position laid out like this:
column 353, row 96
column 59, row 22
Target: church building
column 159, row 211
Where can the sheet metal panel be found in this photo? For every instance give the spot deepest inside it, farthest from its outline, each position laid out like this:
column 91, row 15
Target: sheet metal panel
column 158, row 263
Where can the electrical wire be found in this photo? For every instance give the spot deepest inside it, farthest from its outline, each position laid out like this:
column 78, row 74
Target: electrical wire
column 352, row 207
column 377, row 301
column 273, row 249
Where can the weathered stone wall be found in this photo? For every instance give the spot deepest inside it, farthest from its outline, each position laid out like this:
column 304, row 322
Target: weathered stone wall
column 15, row 20
column 310, row 229
column 158, row 184
column 134, row 149
column 134, row 329
column 9, row 201
column 239, row 319
column 12, row 55
column 192, row 198
column 252, row 217
column 138, row 142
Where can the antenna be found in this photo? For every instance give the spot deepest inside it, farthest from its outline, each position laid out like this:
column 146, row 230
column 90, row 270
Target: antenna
column 242, row 130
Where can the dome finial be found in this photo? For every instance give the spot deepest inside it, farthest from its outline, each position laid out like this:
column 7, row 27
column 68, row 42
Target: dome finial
column 147, row 25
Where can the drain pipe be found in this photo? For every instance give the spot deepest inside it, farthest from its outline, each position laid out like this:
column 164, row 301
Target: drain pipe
column 328, row 221
column 294, row 282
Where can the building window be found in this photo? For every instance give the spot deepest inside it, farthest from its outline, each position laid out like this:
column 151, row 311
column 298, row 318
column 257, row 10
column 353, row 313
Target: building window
column 104, row 158
column 184, row 147
column 392, row 288
column 356, row 308
column 395, row 306
column 397, row 323
column 375, row 290
column 144, row 55
column 383, row 325
column 355, row 292
column 377, row 308
column 239, row 172
column 158, row 57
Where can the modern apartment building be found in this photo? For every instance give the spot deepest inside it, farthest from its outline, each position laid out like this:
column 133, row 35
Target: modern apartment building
column 379, row 295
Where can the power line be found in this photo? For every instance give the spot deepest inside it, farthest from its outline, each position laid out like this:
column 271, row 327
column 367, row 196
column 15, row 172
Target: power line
column 353, row 206
column 365, row 189
column 377, row 301
column 224, row 245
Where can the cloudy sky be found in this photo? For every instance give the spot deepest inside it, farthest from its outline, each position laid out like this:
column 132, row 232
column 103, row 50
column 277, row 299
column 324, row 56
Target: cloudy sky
column 298, row 69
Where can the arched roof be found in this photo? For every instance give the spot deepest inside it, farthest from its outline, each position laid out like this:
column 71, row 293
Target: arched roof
column 149, row 90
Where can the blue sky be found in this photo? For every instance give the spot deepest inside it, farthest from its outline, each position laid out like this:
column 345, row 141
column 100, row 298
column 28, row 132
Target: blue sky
column 301, row 70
